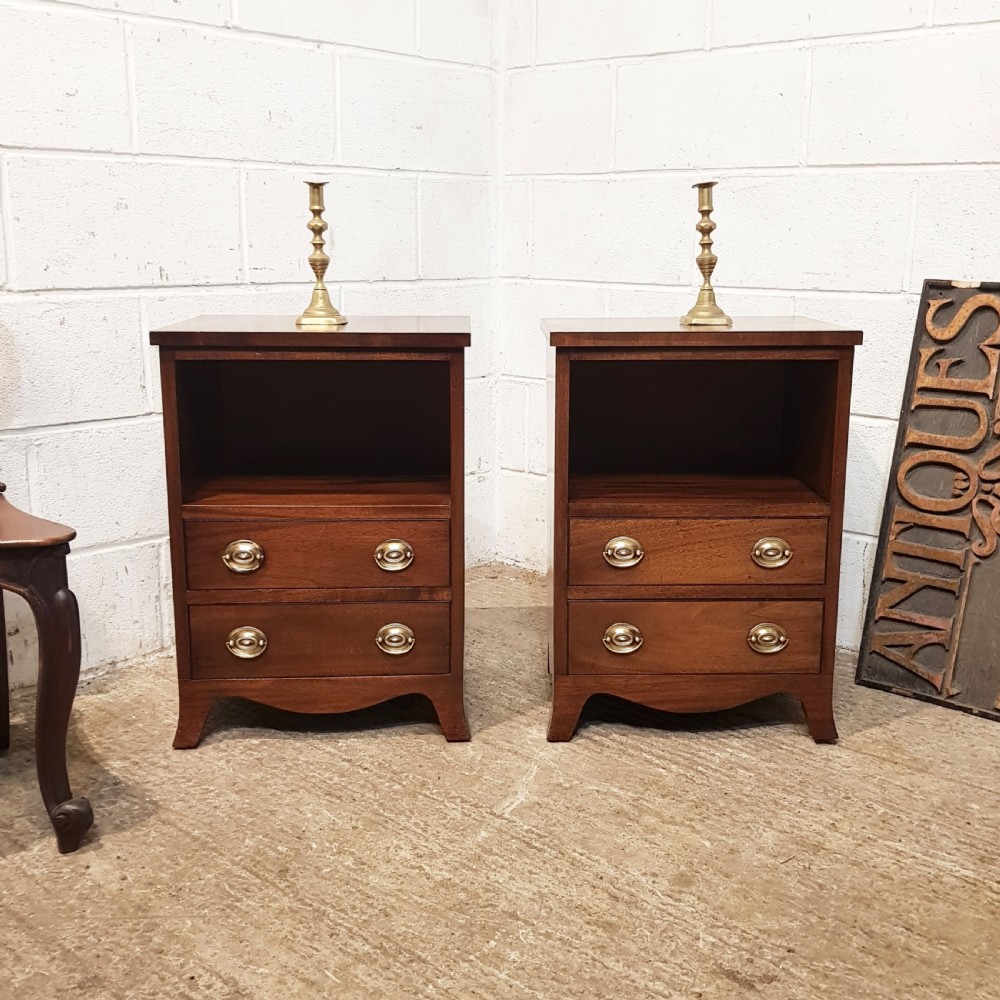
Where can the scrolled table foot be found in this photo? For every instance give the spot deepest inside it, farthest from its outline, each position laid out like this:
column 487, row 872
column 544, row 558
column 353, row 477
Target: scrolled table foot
column 71, row 820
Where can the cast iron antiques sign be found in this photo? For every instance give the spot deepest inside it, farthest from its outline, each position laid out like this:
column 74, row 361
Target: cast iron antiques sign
column 933, row 624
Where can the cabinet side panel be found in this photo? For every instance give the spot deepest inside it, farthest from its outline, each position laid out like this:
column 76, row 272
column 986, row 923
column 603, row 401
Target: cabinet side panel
column 559, row 401
column 457, row 411
column 838, row 467
column 178, row 569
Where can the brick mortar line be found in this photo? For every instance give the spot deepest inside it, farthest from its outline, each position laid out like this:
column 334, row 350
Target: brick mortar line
column 231, row 30
column 166, row 291
column 910, row 248
column 94, row 423
column 100, row 548
column 762, row 170
column 221, row 162
column 244, row 234
column 733, row 289
column 6, row 223
column 815, row 41
column 145, row 357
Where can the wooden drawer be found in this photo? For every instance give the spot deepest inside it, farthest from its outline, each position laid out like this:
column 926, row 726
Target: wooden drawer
column 694, row 637
column 682, row 551
column 315, row 554
column 318, row 640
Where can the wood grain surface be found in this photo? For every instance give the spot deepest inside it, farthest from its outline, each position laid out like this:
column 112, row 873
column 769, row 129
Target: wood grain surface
column 679, row 551
column 306, row 554
column 694, row 637
column 316, row 640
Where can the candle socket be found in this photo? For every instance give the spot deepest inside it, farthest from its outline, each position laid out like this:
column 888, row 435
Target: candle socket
column 706, row 311
column 321, row 314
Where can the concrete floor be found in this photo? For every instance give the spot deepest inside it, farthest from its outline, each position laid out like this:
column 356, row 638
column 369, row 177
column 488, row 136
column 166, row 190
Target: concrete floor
column 361, row 856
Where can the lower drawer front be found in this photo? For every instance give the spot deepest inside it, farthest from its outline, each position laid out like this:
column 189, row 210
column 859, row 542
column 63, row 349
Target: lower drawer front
column 694, row 637
column 318, row 640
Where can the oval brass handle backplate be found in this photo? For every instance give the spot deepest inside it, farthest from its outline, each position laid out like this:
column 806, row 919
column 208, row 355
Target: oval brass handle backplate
column 622, row 552
column 771, row 552
column 622, row 638
column 395, row 639
column 246, row 642
column 767, row 638
column 243, row 556
column 393, row 555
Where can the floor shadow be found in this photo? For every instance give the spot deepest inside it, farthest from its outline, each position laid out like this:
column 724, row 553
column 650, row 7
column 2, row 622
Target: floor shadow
column 118, row 805
column 772, row 710
column 239, row 718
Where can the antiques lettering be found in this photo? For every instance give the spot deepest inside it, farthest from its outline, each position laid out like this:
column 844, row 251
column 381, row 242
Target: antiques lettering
column 946, row 526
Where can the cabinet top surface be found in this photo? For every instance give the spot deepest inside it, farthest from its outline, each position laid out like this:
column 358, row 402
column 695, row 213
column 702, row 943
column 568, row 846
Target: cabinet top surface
column 658, row 331
column 406, row 332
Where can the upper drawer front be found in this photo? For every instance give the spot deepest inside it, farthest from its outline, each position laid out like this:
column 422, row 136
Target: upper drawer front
column 683, row 551
column 319, row 640
column 694, row 637
column 309, row 554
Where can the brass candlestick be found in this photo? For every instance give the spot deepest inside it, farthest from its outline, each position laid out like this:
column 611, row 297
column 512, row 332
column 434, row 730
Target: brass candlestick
column 706, row 311
column 321, row 313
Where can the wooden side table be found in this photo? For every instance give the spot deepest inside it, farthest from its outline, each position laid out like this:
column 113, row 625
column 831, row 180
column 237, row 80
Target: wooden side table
column 33, row 565
column 698, row 504
column 315, row 489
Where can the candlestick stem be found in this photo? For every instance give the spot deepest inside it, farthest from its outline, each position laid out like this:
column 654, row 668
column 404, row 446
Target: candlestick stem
column 706, row 311
column 321, row 314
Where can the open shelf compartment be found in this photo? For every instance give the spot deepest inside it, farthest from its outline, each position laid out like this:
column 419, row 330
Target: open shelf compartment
column 697, row 438
column 285, row 437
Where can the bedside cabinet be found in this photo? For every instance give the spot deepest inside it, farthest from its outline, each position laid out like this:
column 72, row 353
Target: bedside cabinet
column 315, row 490
column 698, row 478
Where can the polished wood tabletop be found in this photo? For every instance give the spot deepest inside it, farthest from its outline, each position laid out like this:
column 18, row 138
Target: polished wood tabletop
column 752, row 331
column 281, row 331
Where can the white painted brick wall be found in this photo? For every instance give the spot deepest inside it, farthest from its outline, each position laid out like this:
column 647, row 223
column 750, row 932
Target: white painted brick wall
column 120, row 223
column 595, row 29
column 376, row 24
column 558, row 120
column 456, row 227
column 398, row 114
column 457, row 30
column 63, row 80
column 204, row 11
column 754, row 100
column 102, row 377
column 216, row 116
column 152, row 159
column 856, row 150
column 508, row 159
column 913, row 100
column 734, row 22
column 611, row 229
column 836, row 230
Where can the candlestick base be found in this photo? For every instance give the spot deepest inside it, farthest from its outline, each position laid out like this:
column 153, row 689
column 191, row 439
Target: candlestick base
column 706, row 312
column 321, row 313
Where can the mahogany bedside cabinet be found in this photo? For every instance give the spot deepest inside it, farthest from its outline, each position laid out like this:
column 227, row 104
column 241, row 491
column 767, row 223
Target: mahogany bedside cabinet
column 698, row 499
column 315, row 491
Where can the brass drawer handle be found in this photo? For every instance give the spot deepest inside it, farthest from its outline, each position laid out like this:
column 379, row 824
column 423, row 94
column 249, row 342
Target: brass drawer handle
column 771, row 553
column 243, row 556
column 622, row 638
column 622, row 552
column 767, row 638
column 395, row 639
column 246, row 642
column 393, row 555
